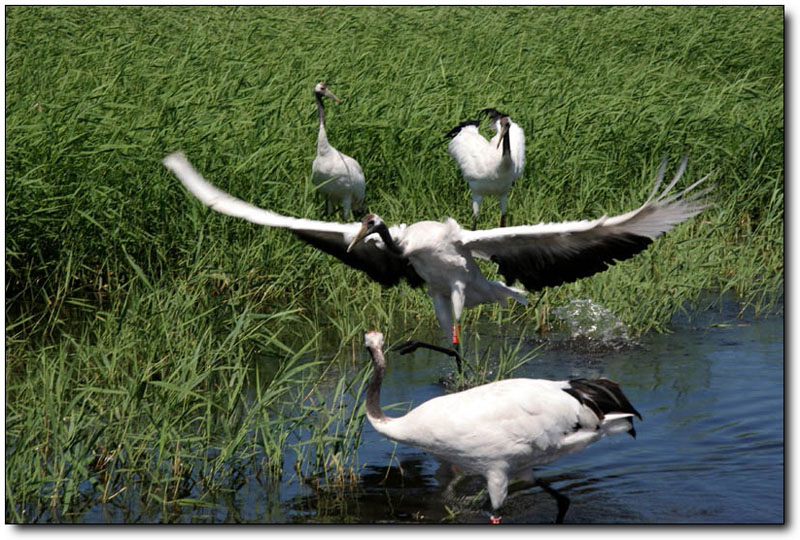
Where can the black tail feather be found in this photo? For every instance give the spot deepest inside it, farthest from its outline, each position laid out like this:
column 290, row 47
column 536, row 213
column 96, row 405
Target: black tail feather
column 602, row 396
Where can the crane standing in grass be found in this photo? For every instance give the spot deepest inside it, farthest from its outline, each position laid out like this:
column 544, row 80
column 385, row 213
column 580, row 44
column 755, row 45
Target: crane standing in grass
column 503, row 429
column 442, row 254
column 488, row 169
column 337, row 176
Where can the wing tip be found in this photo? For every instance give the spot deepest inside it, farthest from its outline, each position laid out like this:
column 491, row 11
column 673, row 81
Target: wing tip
column 174, row 159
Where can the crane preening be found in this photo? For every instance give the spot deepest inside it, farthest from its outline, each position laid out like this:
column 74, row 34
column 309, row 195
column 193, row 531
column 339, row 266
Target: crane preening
column 337, row 176
column 503, row 429
column 488, row 169
column 442, row 254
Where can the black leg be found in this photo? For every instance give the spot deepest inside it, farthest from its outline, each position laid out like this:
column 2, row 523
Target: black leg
column 561, row 500
column 413, row 344
column 458, row 361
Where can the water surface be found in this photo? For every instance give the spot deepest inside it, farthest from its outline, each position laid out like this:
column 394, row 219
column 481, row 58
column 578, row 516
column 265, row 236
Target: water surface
column 709, row 448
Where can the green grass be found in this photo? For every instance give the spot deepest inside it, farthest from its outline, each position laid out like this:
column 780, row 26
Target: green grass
column 135, row 317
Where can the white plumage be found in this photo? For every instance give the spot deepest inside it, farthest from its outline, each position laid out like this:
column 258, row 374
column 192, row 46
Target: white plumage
column 488, row 169
column 442, row 255
column 503, row 429
column 337, row 176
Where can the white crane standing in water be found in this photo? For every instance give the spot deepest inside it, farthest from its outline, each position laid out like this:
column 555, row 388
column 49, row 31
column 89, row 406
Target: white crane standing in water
column 488, row 169
column 337, row 176
column 442, row 254
column 503, row 429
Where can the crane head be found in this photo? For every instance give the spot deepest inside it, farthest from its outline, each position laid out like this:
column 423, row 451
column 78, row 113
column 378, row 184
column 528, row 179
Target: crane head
column 373, row 340
column 493, row 114
column 369, row 224
column 322, row 90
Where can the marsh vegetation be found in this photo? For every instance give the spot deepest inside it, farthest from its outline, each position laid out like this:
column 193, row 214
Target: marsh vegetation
column 159, row 356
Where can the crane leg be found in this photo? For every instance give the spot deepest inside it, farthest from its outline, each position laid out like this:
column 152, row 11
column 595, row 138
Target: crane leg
column 527, row 480
column 497, row 485
column 503, row 207
column 476, row 206
column 346, row 212
column 412, row 345
column 457, row 299
column 444, row 313
column 561, row 500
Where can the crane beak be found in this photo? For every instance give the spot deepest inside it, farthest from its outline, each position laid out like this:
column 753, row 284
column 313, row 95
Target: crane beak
column 362, row 232
column 503, row 133
column 329, row 94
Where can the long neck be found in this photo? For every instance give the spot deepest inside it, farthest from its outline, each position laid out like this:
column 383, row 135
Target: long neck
column 391, row 245
column 507, row 145
column 322, row 137
column 374, row 412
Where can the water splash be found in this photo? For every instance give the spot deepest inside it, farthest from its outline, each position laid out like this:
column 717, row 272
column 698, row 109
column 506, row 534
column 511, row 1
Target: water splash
column 594, row 326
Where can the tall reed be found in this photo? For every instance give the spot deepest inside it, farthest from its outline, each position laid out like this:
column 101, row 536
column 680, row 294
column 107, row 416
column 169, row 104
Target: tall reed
column 158, row 353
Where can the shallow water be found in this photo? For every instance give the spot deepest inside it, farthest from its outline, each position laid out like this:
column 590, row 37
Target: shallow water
column 709, row 448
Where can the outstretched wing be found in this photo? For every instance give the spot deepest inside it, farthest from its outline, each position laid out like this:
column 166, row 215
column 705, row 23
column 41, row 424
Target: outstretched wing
column 370, row 256
column 550, row 254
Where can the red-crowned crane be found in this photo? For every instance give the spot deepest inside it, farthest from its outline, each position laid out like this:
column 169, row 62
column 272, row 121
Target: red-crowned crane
column 337, row 176
column 488, row 169
column 503, row 429
column 442, row 254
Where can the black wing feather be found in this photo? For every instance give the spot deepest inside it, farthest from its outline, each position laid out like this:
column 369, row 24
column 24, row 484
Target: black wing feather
column 456, row 130
column 541, row 268
column 550, row 254
column 382, row 266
